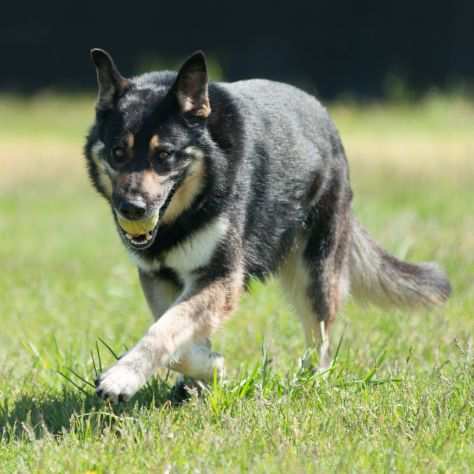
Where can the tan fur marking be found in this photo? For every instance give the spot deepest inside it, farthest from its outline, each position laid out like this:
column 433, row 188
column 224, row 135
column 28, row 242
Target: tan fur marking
column 154, row 143
column 203, row 111
column 151, row 182
column 196, row 361
column 195, row 316
column 219, row 300
column 130, row 140
column 188, row 105
column 186, row 193
column 325, row 348
column 334, row 297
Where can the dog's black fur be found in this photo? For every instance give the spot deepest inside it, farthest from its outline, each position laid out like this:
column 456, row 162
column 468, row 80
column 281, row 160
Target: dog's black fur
column 273, row 166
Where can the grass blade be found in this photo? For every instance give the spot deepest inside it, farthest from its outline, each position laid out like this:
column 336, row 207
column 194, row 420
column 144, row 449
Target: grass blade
column 96, row 373
column 82, row 379
column 109, row 348
column 81, row 389
column 98, row 356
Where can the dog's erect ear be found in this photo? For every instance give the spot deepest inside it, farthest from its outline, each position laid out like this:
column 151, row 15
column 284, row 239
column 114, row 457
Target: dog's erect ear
column 191, row 86
column 110, row 81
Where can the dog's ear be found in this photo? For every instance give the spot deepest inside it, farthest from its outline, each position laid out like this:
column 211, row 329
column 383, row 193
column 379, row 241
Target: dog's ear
column 110, row 81
column 191, row 86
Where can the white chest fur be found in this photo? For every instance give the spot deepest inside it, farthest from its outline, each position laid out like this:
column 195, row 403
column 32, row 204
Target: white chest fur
column 196, row 251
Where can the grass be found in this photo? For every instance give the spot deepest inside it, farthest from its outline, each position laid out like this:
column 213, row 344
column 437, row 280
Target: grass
column 400, row 397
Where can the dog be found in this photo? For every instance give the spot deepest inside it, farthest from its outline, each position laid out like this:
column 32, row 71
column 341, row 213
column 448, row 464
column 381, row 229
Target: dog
column 212, row 184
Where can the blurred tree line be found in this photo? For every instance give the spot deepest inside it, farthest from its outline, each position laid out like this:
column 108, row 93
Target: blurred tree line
column 360, row 48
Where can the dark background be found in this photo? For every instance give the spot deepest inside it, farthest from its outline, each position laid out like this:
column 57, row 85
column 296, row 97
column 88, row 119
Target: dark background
column 332, row 47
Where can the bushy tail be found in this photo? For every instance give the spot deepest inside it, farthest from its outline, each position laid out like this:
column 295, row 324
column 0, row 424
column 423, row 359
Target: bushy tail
column 382, row 279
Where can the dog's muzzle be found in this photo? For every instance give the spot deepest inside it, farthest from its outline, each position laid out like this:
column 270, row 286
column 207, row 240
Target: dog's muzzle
column 140, row 233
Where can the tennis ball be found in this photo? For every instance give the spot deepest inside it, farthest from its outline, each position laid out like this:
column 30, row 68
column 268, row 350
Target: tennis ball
column 140, row 227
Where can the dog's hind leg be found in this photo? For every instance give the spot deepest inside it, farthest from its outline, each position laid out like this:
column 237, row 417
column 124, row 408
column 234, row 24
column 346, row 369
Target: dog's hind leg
column 315, row 295
column 297, row 283
column 315, row 278
column 197, row 361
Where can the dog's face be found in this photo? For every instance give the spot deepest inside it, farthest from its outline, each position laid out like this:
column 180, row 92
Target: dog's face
column 146, row 156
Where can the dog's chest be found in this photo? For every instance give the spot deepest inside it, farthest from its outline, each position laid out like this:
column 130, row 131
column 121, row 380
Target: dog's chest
column 194, row 252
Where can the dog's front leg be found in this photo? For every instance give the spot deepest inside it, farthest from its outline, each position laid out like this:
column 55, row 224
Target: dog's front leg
column 198, row 361
column 196, row 315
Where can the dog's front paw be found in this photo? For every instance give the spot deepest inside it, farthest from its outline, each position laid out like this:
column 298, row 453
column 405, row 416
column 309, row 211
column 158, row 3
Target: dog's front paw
column 119, row 383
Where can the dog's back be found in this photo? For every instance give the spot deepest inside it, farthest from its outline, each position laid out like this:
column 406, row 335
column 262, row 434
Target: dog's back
column 299, row 190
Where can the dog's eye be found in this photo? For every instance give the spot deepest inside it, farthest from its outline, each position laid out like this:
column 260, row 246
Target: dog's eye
column 164, row 154
column 119, row 154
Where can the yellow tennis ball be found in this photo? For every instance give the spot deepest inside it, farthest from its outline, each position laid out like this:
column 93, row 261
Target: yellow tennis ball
column 140, row 227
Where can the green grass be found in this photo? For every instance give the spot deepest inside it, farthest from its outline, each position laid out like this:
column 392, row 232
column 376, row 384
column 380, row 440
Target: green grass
column 400, row 397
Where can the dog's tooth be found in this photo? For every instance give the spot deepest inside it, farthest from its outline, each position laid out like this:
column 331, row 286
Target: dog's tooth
column 129, row 237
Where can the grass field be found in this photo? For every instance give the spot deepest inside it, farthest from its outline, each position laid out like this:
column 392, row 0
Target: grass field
column 400, row 397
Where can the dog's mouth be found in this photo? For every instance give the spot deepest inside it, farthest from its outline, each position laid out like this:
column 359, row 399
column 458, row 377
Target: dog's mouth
column 139, row 234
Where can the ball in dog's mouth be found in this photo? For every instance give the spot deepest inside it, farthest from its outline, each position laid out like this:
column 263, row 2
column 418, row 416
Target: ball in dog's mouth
column 139, row 233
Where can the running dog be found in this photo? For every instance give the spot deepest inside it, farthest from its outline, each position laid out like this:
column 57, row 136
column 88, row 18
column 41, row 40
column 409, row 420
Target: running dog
column 212, row 184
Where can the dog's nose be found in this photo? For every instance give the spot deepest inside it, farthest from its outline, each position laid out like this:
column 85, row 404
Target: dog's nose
column 132, row 210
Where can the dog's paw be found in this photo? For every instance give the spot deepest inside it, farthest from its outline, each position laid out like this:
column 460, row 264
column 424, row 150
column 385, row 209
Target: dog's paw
column 186, row 388
column 119, row 383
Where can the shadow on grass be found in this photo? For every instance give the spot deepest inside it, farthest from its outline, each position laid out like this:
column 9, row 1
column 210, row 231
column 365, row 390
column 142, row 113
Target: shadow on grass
column 33, row 417
column 78, row 410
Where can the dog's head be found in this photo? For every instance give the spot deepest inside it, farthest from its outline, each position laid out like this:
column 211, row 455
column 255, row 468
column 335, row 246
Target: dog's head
column 147, row 147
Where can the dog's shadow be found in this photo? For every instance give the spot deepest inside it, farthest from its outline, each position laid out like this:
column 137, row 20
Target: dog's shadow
column 33, row 417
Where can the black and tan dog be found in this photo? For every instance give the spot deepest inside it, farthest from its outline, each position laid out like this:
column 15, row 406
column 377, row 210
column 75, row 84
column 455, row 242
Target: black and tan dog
column 212, row 184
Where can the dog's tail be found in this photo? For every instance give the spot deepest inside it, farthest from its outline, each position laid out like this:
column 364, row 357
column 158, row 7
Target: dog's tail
column 382, row 279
